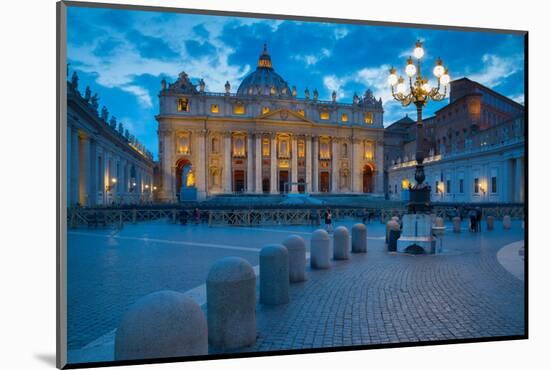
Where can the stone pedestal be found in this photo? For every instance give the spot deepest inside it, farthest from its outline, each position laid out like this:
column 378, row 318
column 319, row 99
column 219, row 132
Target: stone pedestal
column 456, row 224
column 274, row 277
column 159, row 325
column 416, row 236
column 296, row 247
column 341, row 243
column 359, row 238
column 507, row 222
column 231, row 303
column 320, row 250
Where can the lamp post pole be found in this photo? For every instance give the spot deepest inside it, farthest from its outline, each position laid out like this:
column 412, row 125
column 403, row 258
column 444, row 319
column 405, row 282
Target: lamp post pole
column 419, row 92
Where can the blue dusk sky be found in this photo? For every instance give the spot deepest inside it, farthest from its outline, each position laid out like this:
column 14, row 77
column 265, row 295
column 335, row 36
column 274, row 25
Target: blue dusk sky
column 123, row 55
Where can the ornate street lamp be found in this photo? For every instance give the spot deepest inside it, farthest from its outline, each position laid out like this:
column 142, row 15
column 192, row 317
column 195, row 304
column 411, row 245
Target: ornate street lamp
column 419, row 92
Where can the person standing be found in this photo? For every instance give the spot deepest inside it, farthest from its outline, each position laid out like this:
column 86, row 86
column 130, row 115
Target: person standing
column 473, row 219
column 478, row 219
column 328, row 220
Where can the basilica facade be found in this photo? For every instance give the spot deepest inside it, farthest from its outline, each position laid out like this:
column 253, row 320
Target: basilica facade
column 264, row 139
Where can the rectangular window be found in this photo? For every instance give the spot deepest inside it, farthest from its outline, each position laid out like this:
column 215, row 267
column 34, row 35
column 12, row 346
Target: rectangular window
column 183, row 105
column 214, row 108
column 493, row 184
column 476, row 185
column 344, row 117
column 324, row 116
column 369, row 118
column 448, row 186
column 461, row 186
column 238, row 108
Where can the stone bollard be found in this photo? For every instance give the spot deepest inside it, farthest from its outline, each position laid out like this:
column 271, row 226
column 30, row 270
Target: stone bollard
column 456, row 224
column 231, row 303
column 394, row 232
column 359, row 238
column 160, row 325
column 507, row 222
column 320, row 250
column 341, row 243
column 490, row 222
column 296, row 247
column 274, row 277
column 439, row 222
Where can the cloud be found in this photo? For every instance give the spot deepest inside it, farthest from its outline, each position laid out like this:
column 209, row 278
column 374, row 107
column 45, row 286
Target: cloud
column 496, row 69
column 518, row 98
column 340, row 33
column 312, row 59
column 141, row 94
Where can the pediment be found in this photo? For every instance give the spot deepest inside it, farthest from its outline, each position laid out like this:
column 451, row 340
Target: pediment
column 285, row 115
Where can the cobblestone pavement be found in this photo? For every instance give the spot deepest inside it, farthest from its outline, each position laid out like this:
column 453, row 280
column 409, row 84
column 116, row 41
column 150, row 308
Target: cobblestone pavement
column 372, row 298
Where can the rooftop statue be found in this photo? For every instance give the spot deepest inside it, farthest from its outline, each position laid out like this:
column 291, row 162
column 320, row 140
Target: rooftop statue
column 87, row 94
column 104, row 114
column 95, row 101
column 74, row 81
column 183, row 85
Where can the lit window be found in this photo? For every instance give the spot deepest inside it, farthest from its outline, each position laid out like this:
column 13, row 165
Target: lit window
column 405, row 184
column 301, row 149
column 284, row 147
column 183, row 144
column 324, row 115
column 183, row 105
column 301, row 112
column 238, row 108
column 265, row 110
column 324, row 150
column 369, row 118
column 344, row 117
column 214, row 108
column 369, row 150
column 238, row 147
column 265, row 147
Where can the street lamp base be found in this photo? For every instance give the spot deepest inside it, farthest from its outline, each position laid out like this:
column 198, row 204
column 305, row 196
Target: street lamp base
column 419, row 200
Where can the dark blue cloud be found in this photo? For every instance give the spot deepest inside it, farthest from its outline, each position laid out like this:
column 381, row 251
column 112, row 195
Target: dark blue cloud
column 199, row 49
column 201, row 31
column 151, row 47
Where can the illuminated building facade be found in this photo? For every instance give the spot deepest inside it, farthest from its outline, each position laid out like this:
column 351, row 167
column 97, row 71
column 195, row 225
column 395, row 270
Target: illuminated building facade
column 264, row 139
column 106, row 164
column 476, row 148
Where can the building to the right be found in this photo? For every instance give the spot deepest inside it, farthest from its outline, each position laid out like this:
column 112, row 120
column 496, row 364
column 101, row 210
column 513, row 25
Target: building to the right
column 475, row 146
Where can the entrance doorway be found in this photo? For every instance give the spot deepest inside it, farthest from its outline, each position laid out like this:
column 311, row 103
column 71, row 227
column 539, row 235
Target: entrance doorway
column 367, row 179
column 238, row 181
column 325, row 182
column 283, row 180
column 265, row 185
column 301, row 186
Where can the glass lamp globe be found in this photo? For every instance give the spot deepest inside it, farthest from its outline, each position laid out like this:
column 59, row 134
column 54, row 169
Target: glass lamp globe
column 392, row 79
column 418, row 52
column 426, row 86
column 401, row 88
column 410, row 69
column 439, row 70
column 445, row 79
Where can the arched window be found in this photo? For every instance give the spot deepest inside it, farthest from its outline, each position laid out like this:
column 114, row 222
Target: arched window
column 369, row 118
column 183, row 105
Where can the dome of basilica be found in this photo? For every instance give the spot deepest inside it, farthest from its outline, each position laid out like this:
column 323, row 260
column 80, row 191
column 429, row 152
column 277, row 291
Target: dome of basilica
column 264, row 80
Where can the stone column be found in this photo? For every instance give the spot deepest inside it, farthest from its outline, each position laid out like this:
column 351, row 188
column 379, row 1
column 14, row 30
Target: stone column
column 200, row 168
column 258, row 158
column 315, row 166
column 249, row 163
column 92, row 183
column 379, row 158
column 519, row 180
column 309, row 171
column 335, row 165
column 294, row 164
column 227, row 162
column 355, row 170
column 273, row 152
column 84, row 155
column 75, row 164
column 168, row 193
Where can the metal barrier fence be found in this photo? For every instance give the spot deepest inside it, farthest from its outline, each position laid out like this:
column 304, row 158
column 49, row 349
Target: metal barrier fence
column 93, row 217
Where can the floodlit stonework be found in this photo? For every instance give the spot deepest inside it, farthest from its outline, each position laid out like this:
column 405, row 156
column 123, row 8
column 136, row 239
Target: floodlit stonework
column 265, row 139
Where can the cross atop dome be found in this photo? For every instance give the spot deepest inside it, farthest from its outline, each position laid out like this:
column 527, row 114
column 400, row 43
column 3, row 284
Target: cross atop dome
column 265, row 59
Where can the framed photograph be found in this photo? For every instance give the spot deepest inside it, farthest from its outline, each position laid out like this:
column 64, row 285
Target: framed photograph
column 237, row 185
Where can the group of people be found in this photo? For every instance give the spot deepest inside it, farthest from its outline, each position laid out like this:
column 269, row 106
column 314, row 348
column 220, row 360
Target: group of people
column 475, row 219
